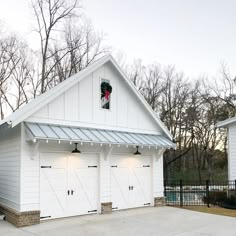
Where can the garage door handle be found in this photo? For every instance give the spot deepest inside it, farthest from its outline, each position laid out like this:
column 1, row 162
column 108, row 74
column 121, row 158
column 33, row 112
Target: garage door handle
column 131, row 187
column 71, row 192
column 68, row 192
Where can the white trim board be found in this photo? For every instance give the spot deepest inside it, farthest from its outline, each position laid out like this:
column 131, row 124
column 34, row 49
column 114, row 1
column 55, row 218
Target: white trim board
column 225, row 123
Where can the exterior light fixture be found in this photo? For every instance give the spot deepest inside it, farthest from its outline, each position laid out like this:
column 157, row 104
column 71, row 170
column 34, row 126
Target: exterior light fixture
column 76, row 150
column 137, row 152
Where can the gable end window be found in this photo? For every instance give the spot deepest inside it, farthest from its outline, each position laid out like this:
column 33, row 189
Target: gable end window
column 106, row 90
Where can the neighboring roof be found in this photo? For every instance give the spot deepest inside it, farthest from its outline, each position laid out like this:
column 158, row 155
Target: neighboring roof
column 42, row 100
column 226, row 122
column 91, row 135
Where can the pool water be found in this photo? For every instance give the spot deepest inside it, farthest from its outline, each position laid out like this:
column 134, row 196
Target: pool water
column 193, row 197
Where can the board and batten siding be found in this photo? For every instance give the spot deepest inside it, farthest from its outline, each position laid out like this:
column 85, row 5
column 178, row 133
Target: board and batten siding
column 232, row 152
column 80, row 106
column 10, row 146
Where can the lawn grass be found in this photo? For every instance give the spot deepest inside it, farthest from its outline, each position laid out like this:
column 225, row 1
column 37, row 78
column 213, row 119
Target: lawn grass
column 212, row 210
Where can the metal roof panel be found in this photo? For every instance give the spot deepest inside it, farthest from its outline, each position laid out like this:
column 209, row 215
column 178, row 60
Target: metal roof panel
column 57, row 132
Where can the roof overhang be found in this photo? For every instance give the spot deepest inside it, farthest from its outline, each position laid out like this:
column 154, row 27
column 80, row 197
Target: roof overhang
column 98, row 136
column 226, row 123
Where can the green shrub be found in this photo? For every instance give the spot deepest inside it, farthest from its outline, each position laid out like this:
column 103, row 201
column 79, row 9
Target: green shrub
column 216, row 197
column 230, row 201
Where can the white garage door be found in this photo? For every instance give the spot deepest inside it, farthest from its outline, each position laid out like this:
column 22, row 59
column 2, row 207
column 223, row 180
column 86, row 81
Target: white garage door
column 130, row 181
column 68, row 184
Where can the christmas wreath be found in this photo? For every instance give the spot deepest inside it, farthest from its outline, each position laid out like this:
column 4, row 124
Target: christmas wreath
column 106, row 90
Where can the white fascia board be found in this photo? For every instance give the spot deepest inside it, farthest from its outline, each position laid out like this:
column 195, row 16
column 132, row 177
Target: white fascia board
column 225, row 123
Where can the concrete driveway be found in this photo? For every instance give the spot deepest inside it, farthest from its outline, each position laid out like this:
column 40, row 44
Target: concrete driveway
column 163, row 221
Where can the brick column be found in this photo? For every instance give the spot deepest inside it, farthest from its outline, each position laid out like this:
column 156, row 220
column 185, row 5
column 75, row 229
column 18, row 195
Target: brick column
column 159, row 201
column 20, row 219
column 106, row 207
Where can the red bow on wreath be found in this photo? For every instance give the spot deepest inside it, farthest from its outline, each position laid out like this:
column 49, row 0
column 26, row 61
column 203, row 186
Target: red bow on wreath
column 107, row 94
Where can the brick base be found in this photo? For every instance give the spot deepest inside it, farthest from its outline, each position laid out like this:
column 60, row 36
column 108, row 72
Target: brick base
column 159, row 201
column 20, row 219
column 106, row 207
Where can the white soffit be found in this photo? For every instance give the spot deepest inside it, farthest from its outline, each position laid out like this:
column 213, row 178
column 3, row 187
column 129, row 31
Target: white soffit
column 91, row 135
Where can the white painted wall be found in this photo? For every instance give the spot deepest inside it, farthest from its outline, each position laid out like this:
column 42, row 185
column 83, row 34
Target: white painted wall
column 29, row 173
column 158, row 175
column 80, row 106
column 10, row 167
column 30, row 169
column 232, row 152
column 105, row 175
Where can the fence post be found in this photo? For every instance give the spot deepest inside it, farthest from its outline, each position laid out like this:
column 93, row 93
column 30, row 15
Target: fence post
column 181, row 192
column 165, row 189
column 207, row 193
column 235, row 187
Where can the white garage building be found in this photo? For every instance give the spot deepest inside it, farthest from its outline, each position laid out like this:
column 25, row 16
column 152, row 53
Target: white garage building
column 117, row 142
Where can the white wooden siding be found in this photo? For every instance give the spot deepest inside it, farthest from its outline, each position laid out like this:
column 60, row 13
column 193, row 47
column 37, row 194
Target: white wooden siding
column 80, row 106
column 29, row 174
column 158, row 178
column 30, row 169
column 10, row 167
column 105, row 175
column 232, row 152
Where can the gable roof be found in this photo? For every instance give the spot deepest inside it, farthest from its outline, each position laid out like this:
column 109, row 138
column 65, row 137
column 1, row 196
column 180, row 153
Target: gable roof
column 225, row 123
column 42, row 100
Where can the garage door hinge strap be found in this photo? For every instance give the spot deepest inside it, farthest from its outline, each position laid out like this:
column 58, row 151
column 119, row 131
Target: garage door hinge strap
column 146, row 166
column 46, row 166
column 114, row 208
column 113, row 166
column 44, row 217
column 92, row 166
column 92, row 211
column 146, row 204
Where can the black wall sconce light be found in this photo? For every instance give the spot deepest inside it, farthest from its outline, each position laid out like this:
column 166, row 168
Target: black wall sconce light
column 76, row 150
column 137, row 152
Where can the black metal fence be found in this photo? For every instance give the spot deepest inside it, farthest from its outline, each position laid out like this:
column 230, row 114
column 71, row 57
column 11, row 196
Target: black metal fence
column 196, row 193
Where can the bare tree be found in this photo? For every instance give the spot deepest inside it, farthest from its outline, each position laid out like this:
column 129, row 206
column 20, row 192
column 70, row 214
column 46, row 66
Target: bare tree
column 15, row 70
column 8, row 55
column 82, row 44
column 49, row 15
column 136, row 73
column 190, row 110
column 224, row 88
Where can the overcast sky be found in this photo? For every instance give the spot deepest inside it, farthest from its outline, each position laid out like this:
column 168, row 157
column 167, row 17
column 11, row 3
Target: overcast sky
column 195, row 35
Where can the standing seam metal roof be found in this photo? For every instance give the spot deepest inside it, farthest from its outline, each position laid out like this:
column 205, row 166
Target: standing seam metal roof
column 80, row 134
